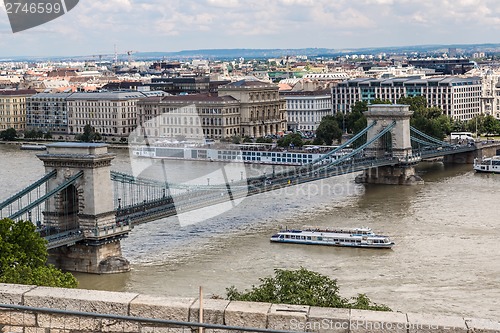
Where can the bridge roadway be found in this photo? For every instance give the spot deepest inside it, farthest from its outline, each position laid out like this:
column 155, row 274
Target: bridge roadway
column 205, row 196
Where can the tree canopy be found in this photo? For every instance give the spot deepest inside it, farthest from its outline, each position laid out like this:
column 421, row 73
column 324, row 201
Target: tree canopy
column 302, row 287
column 292, row 139
column 89, row 134
column 9, row 134
column 23, row 257
column 431, row 120
column 328, row 130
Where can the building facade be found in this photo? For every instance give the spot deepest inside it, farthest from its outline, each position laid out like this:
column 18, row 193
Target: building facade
column 47, row 112
column 112, row 113
column 262, row 109
column 304, row 110
column 459, row 98
column 196, row 117
column 13, row 108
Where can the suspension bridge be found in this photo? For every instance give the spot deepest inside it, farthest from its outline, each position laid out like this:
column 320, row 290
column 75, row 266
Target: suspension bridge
column 83, row 209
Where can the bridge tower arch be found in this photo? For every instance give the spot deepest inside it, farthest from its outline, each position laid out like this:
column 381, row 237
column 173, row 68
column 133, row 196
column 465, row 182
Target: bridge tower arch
column 403, row 171
column 85, row 207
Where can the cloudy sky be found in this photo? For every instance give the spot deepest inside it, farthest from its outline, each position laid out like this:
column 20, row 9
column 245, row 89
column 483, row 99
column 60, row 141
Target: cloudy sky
column 95, row 26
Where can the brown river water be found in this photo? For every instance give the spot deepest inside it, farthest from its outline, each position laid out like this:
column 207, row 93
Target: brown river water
column 446, row 259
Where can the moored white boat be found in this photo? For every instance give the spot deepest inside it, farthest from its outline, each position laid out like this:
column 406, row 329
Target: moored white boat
column 33, row 147
column 349, row 237
column 489, row 164
column 235, row 153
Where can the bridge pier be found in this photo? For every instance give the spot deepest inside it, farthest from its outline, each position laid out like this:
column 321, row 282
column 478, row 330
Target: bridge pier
column 85, row 207
column 390, row 175
column 398, row 142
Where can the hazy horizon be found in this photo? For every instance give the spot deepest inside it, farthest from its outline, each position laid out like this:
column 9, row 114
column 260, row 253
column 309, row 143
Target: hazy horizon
column 96, row 27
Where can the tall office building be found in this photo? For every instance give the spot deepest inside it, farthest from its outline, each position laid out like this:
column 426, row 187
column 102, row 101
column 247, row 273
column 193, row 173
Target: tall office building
column 459, row 98
column 47, row 112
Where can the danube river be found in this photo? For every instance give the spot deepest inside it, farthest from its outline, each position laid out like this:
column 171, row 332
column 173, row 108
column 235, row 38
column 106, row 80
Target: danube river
column 446, row 259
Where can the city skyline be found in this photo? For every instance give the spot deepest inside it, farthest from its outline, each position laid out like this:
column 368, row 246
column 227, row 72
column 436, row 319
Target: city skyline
column 96, row 27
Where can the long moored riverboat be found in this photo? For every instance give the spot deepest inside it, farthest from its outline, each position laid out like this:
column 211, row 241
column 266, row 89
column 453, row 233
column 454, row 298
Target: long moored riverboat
column 235, row 153
column 349, row 237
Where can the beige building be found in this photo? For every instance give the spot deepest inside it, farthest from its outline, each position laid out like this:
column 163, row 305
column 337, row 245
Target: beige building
column 111, row 113
column 13, row 108
column 195, row 116
column 262, row 108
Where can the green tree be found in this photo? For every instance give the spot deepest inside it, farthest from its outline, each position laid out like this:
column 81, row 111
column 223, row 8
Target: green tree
column 490, row 125
column 328, row 130
column 236, row 139
column 9, row 134
column 89, row 134
column 416, row 103
column 476, row 124
column 294, row 139
column 431, row 120
column 23, row 257
column 302, row 287
column 355, row 118
column 264, row 140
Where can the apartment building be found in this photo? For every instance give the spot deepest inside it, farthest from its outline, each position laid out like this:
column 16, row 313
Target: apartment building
column 47, row 112
column 196, row 116
column 458, row 97
column 13, row 108
column 261, row 107
column 305, row 109
column 111, row 113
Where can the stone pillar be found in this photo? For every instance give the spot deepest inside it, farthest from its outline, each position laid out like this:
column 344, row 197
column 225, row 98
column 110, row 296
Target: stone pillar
column 402, row 173
column 86, row 206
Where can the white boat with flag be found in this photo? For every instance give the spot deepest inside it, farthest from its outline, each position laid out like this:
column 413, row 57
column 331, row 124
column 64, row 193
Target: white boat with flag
column 349, row 237
column 489, row 164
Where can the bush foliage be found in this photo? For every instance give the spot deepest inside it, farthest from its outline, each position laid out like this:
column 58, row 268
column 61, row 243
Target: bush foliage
column 302, row 287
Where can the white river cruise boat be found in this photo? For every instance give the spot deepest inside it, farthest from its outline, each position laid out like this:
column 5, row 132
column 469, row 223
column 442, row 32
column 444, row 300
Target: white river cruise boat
column 236, row 153
column 350, row 237
column 490, row 164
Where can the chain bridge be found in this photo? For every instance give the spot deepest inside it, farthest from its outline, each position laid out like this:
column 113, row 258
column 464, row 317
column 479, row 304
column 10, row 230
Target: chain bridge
column 83, row 209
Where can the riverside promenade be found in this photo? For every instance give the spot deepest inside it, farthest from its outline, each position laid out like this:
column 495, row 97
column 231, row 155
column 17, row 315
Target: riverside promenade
column 49, row 310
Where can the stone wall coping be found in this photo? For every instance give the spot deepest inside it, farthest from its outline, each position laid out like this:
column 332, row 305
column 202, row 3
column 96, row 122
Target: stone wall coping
column 216, row 311
column 437, row 320
column 82, row 294
column 13, row 293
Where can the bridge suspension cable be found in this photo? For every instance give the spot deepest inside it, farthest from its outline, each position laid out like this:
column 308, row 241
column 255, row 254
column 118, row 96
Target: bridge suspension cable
column 342, row 146
column 28, row 189
column 47, row 196
column 360, row 148
column 429, row 138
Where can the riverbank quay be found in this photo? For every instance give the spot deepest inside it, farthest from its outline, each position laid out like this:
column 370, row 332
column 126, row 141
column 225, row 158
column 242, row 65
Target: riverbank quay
column 25, row 308
column 47, row 142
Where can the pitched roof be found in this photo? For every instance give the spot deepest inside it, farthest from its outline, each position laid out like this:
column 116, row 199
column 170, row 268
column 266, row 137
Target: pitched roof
column 19, row 92
column 247, row 83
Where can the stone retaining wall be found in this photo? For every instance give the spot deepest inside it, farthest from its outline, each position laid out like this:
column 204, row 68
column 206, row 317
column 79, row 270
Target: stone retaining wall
column 215, row 311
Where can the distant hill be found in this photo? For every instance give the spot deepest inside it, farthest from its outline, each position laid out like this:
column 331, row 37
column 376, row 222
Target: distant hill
column 312, row 52
column 229, row 54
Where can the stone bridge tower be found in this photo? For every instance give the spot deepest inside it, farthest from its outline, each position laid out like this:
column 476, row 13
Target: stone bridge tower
column 85, row 207
column 403, row 171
